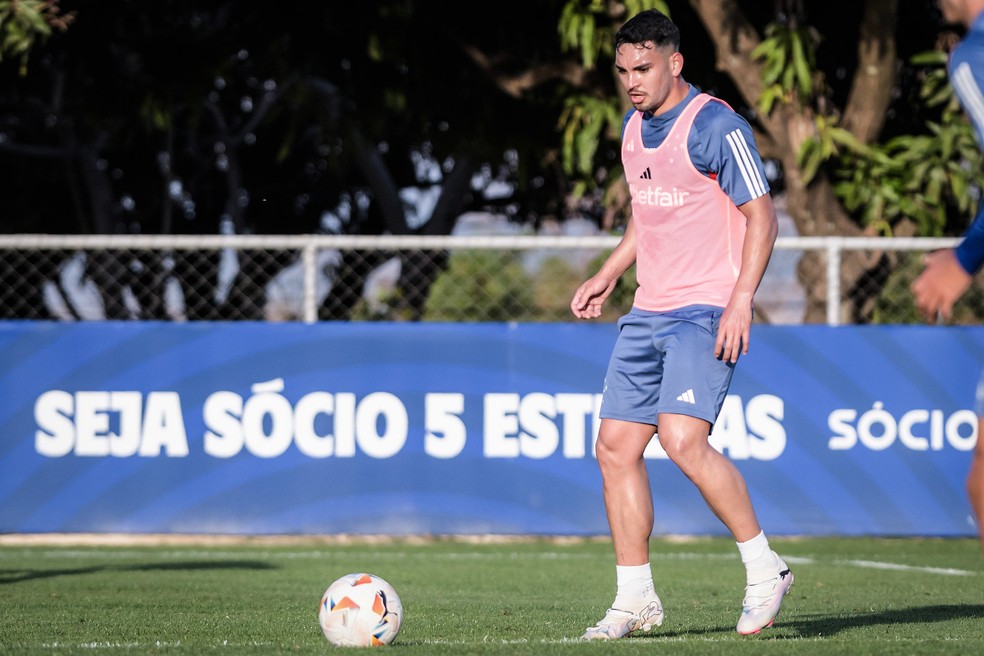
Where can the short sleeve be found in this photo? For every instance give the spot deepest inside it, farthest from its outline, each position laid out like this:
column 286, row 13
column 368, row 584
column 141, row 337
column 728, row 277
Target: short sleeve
column 722, row 145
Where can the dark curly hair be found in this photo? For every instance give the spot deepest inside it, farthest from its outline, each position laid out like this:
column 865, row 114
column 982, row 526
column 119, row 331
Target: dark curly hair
column 649, row 26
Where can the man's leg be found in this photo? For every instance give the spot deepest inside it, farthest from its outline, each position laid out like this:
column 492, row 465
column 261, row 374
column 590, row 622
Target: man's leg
column 628, row 497
column 975, row 480
column 629, row 506
column 685, row 440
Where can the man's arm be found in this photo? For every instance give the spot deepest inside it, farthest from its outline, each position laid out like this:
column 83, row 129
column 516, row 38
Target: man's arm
column 941, row 283
column 948, row 273
column 970, row 252
column 591, row 295
column 760, row 237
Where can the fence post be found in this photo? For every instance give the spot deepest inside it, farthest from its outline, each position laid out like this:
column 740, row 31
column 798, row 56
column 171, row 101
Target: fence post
column 310, row 260
column 833, row 280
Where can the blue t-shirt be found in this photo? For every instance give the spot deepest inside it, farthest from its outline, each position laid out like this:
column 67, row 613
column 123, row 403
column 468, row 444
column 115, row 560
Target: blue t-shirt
column 966, row 70
column 721, row 144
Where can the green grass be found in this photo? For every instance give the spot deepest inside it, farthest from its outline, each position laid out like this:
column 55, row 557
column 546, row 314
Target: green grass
column 852, row 596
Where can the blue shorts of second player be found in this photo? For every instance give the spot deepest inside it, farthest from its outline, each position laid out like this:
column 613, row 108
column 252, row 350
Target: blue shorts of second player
column 664, row 362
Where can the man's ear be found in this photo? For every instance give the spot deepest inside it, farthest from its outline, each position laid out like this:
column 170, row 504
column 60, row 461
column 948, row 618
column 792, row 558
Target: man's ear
column 676, row 63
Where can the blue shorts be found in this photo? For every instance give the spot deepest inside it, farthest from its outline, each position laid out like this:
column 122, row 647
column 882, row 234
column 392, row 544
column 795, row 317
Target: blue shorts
column 664, row 362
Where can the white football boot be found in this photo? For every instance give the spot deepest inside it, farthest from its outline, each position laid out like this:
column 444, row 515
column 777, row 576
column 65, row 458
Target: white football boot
column 763, row 599
column 620, row 623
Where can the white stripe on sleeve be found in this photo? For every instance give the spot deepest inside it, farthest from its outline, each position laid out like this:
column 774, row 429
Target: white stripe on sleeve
column 970, row 95
column 746, row 164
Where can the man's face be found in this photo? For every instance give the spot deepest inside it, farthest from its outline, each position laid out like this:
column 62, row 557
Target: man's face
column 648, row 74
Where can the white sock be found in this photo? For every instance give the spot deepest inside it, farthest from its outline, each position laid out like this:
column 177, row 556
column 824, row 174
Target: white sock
column 753, row 549
column 758, row 558
column 635, row 587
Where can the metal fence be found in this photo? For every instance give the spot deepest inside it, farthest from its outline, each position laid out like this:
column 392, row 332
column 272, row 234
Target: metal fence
column 832, row 280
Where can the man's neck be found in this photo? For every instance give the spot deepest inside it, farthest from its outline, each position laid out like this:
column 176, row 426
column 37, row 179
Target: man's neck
column 677, row 95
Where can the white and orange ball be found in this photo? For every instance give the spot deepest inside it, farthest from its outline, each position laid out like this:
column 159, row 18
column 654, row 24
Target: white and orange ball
column 360, row 610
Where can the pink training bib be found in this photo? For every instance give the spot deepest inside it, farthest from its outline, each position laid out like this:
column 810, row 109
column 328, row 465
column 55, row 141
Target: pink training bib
column 689, row 233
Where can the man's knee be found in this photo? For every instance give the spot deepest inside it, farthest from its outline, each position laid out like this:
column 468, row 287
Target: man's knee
column 618, row 449
column 683, row 449
column 612, row 454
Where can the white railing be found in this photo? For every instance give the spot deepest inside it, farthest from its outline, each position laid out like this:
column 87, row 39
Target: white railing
column 310, row 245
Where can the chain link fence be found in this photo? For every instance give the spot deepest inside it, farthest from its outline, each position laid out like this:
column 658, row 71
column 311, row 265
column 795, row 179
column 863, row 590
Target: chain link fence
column 828, row 280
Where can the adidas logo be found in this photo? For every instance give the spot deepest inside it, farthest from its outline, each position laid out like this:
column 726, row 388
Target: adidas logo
column 687, row 397
column 647, row 174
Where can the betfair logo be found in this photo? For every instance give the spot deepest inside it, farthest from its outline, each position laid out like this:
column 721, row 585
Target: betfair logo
column 658, row 197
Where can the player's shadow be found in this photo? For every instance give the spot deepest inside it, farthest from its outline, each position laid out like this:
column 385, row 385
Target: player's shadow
column 8, row 576
column 795, row 626
column 820, row 625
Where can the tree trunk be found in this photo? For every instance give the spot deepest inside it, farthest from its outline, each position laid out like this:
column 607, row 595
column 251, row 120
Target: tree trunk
column 871, row 88
column 813, row 206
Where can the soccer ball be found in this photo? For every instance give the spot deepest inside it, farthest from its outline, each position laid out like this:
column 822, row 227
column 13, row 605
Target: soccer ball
column 360, row 610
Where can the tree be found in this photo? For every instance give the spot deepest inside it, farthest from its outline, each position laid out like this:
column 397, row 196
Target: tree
column 271, row 118
column 27, row 23
column 184, row 118
column 828, row 112
column 806, row 123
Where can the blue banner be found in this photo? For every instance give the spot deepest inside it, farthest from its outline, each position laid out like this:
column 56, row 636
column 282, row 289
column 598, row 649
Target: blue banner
column 396, row 428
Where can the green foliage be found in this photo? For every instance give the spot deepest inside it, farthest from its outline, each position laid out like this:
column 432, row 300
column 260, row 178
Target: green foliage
column 895, row 303
column 481, row 286
column 586, row 26
column 831, row 140
column 485, row 285
column 389, row 306
column 584, row 123
column 919, row 177
column 25, row 23
column 553, row 288
column 788, row 56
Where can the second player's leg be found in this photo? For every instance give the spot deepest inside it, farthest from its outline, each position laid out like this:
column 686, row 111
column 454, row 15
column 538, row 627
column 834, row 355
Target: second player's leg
column 975, row 480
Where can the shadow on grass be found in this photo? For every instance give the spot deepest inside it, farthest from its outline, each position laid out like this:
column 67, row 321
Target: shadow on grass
column 826, row 626
column 793, row 627
column 8, row 576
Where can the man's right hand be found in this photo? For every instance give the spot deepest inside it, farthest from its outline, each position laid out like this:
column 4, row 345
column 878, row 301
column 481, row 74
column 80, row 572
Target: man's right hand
column 590, row 296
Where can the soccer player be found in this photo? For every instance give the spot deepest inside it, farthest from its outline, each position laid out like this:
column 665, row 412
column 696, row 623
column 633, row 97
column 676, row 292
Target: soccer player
column 948, row 273
column 701, row 234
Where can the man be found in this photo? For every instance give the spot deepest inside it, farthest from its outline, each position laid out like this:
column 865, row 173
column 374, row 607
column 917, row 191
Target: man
column 701, row 234
column 949, row 272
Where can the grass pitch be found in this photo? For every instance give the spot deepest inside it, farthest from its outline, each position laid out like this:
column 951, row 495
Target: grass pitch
column 460, row 596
